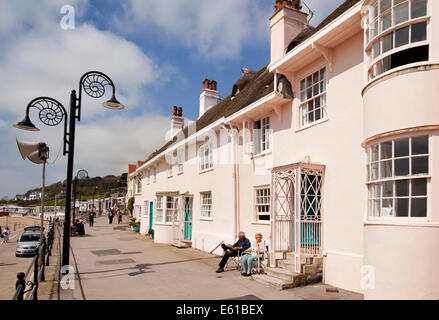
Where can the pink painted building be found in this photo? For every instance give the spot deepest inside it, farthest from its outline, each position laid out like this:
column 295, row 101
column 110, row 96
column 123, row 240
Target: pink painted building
column 328, row 151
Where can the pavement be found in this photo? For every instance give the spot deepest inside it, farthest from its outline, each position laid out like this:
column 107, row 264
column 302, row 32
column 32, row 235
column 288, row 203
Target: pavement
column 9, row 264
column 114, row 263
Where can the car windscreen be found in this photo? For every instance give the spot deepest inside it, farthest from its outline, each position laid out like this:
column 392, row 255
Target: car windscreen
column 32, row 228
column 29, row 238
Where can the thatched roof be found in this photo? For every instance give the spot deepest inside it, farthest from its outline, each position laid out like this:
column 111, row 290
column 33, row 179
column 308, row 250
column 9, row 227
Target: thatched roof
column 310, row 31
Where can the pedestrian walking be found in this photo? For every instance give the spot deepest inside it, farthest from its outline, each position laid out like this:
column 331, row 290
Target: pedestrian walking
column 6, row 235
column 91, row 218
column 110, row 216
column 119, row 217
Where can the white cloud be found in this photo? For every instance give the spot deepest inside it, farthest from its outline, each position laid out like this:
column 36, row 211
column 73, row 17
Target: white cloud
column 218, row 29
column 38, row 58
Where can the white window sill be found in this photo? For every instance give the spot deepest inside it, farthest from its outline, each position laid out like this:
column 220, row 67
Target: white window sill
column 206, row 219
column 315, row 123
column 422, row 222
column 262, row 223
column 263, row 154
column 205, row 171
column 169, row 224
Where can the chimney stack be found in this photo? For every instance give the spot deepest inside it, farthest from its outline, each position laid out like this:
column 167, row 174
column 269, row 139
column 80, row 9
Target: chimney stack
column 177, row 121
column 286, row 24
column 209, row 96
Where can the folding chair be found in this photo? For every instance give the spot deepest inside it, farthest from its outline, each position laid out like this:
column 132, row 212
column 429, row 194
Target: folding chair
column 237, row 260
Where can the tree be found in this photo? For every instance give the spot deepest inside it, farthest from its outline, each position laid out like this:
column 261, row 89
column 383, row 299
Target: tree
column 131, row 205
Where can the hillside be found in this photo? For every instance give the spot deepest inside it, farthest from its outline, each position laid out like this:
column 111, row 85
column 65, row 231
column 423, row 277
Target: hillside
column 102, row 187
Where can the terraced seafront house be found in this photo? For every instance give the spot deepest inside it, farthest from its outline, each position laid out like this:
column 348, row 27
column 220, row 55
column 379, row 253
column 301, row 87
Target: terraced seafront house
column 329, row 151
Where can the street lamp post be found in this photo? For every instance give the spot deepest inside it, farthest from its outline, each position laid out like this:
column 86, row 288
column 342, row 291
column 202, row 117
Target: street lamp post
column 82, row 174
column 52, row 112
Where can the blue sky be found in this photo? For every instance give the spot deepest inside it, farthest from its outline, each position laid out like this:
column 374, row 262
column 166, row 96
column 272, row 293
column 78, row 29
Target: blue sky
column 157, row 52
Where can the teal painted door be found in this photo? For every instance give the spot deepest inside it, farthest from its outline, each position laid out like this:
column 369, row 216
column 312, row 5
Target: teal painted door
column 188, row 219
column 151, row 211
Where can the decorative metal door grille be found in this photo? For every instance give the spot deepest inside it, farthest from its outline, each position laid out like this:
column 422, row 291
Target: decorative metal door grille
column 297, row 211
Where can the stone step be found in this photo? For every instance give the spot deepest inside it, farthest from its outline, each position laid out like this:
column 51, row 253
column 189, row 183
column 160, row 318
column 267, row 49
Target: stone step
column 272, row 281
column 280, row 273
column 286, row 264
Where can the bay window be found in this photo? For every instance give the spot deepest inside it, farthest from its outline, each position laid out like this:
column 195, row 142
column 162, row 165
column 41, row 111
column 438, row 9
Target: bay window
column 398, row 178
column 396, row 34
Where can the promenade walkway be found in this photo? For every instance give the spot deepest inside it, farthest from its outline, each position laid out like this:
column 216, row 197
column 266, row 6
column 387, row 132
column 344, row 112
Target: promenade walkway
column 114, row 263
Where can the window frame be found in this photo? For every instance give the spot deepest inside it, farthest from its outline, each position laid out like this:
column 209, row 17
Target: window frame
column 154, row 176
column 138, row 183
column 180, row 163
column 256, row 205
column 203, row 216
column 203, row 164
column 262, row 138
column 323, row 95
column 394, row 179
column 159, row 208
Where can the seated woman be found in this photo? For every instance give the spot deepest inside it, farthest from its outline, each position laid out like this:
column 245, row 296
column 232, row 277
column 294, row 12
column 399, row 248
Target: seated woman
column 255, row 250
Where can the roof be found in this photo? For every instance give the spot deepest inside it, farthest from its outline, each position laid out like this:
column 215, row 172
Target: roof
column 310, row 31
column 256, row 85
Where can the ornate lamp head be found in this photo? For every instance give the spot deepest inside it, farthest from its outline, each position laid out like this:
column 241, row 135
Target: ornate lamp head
column 26, row 124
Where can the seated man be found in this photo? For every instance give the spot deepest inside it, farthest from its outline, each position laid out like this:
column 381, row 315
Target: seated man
column 232, row 251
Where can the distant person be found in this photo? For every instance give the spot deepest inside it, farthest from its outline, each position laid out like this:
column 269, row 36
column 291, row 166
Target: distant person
column 91, row 218
column 6, row 235
column 232, row 251
column 119, row 217
column 110, row 216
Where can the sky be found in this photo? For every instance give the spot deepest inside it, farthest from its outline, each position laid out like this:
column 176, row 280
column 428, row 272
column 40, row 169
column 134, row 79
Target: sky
column 157, row 53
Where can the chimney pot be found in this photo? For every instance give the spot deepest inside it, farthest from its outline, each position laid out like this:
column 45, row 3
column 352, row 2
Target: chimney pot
column 206, row 84
column 180, row 112
column 175, row 111
column 212, row 85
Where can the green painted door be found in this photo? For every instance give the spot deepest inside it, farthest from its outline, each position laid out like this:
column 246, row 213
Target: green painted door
column 151, row 211
column 188, row 218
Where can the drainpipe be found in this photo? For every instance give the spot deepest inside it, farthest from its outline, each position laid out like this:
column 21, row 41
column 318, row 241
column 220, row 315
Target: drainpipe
column 233, row 132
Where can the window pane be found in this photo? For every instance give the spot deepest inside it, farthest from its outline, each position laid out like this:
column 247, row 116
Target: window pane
column 386, row 21
column 419, row 187
column 387, row 208
column 420, row 145
column 387, row 42
column 419, row 8
column 420, row 165
column 401, row 148
column 386, row 150
column 401, row 167
column 374, row 168
column 376, row 208
column 401, row 37
column 401, row 13
column 376, row 49
column 388, row 189
column 386, row 169
column 419, row 32
column 375, row 153
column 402, row 207
column 402, row 188
column 419, row 208
column 384, row 5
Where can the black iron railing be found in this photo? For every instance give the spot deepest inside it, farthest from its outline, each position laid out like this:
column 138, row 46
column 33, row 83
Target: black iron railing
column 37, row 268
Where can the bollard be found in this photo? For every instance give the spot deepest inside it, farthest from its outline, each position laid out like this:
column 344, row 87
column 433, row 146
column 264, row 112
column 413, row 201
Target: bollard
column 22, row 283
column 43, row 254
column 36, row 276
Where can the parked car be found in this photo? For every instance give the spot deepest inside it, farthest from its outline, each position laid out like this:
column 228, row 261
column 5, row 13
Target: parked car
column 28, row 244
column 32, row 229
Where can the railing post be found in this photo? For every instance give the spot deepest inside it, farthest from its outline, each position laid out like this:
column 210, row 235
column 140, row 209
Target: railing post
column 43, row 263
column 35, row 296
column 22, row 283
